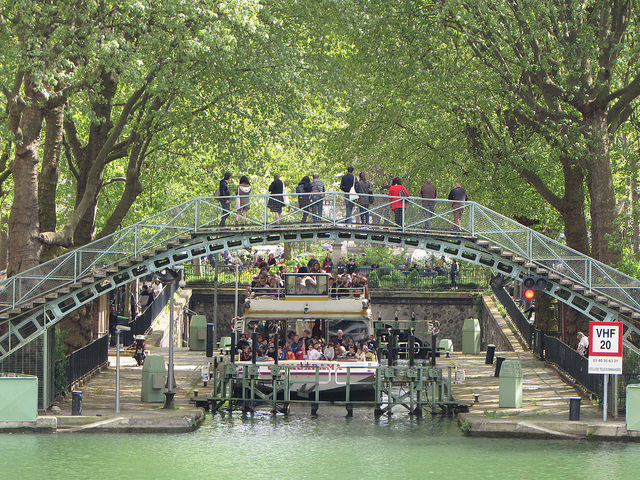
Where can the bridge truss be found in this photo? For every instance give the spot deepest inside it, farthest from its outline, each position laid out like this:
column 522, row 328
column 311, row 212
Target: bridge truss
column 37, row 299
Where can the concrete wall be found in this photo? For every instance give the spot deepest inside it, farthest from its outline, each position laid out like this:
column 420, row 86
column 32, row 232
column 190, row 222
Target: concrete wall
column 492, row 331
column 450, row 309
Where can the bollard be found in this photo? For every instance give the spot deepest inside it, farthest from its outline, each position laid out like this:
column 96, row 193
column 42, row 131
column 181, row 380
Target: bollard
column 574, row 408
column 195, row 393
column 491, row 350
column 499, row 361
column 76, row 403
column 476, row 398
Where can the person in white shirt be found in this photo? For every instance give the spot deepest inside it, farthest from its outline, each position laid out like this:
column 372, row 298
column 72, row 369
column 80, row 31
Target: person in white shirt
column 314, row 354
column 583, row 344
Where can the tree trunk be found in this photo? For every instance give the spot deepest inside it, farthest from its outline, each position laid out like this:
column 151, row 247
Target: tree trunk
column 572, row 211
column 24, row 247
column 48, row 179
column 605, row 236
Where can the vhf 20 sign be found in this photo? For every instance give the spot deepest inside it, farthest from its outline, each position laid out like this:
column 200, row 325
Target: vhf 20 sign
column 605, row 347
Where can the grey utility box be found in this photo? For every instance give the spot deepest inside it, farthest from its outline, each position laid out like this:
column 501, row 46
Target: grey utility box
column 471, row 336
column 633, row 406
column 198, row 333
column 511, row 384
column 154, row 377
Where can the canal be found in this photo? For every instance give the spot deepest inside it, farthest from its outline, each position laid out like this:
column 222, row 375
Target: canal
column 330, row 446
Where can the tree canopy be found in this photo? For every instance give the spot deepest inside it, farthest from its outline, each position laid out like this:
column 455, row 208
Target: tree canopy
column 116, row 110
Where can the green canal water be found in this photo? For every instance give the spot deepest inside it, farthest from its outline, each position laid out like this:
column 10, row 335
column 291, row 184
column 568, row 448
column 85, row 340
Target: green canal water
column 299, row 447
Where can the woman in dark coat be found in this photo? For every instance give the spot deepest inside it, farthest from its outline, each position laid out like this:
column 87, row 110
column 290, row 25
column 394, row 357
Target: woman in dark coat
column 276, row 199
column 304, row 200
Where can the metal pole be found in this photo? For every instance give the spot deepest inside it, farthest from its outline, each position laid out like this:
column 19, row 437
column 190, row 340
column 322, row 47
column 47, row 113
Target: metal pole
column 117, row 370
column 236, row 295
column 170, row 376
column 215, row 300
column 604, row 396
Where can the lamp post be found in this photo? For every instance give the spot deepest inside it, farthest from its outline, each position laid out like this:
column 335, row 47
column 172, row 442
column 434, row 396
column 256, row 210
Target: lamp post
column 119, row 328
column 169, row 400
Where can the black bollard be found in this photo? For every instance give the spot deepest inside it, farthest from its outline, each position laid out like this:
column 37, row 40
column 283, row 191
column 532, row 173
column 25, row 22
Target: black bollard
column 574, row 408
column 76, row 403
column 209, row 340
column 254, row 342
column 434, row 349
column 499, row 361
column 234, row 354
column 411, row 346
column 491, row 350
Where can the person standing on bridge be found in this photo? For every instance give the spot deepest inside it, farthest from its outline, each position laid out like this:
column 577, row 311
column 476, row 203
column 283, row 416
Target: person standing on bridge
column 428, row 192
column 224, row 196
column 349, row 185
column 276, row 199
column 317, row 197
column 397, row 195
column 365, row 199
column 242, row 198
column 458, row 195
column 304, row 200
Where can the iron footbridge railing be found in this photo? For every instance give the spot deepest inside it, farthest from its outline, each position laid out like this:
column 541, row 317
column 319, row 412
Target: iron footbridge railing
column 35, row 299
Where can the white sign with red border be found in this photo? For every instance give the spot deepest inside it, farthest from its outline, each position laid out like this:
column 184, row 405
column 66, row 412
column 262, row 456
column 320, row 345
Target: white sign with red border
column 605, row 347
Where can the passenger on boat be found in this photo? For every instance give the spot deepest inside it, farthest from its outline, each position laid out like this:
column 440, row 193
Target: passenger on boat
column 339, row 339
column 314, row 354
column 359, row 354
column 296, row 345
column 243, row 341
column 330, row 352
column 245, row 354
column 306, row 338
column 341, row 352
column 261, row 355
column 351, row 353
column 368, row 355
column 371, row 344
column 289, row 355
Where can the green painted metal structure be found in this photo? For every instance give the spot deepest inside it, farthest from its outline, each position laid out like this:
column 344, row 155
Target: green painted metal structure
column 35, row 300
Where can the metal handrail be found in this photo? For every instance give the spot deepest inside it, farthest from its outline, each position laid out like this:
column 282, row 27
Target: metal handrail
column 204, row 214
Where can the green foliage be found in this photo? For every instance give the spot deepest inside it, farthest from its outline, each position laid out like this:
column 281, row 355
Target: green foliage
column 466, row 427
column 383, row 256
column 373, row 279
column 414, row 278
column 60, row 369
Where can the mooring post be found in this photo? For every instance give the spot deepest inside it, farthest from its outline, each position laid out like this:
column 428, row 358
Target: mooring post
column 411, row 347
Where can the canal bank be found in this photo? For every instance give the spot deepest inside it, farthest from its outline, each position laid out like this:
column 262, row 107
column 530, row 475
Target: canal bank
column 544, row 411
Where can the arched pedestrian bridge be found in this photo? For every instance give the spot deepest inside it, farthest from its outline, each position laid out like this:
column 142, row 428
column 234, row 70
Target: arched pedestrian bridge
column 37, row 299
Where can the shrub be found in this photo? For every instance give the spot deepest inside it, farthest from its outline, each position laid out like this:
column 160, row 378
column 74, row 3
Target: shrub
column 414, row 278
column 373, row 279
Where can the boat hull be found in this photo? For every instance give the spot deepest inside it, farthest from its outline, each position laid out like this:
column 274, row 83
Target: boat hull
column 329, row 378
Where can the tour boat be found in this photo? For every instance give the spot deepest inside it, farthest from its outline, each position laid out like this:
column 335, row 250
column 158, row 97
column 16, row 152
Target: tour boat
column 304, row 300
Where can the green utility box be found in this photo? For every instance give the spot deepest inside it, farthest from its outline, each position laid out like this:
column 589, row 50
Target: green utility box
column 198, row 333
column 445, row 345
column 471, row 336
column 18, row 398
column 511, row 384
column 633, row 406
column 154, row 378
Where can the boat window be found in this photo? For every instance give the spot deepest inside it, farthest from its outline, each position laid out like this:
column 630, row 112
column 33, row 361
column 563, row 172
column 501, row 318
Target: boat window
column 306, row 284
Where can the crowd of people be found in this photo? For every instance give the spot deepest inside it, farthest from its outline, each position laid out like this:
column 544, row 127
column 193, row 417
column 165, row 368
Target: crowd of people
column 309, row 346
column 357, row 190
column 344, row 282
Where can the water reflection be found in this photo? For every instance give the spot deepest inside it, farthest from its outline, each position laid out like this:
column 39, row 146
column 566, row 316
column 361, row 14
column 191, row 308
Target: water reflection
column 237, row 446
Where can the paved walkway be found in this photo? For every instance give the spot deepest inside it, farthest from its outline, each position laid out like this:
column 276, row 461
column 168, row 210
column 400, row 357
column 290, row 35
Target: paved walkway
column 545, row 401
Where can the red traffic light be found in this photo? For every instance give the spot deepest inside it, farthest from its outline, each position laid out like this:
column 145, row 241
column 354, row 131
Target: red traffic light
column 529, row 294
